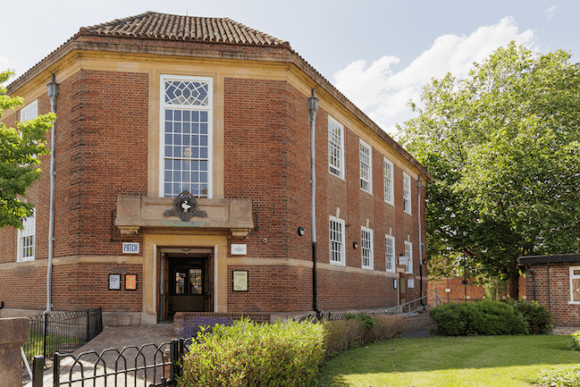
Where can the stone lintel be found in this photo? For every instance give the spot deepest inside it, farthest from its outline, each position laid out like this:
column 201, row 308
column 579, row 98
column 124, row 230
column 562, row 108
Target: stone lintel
column 231, row 215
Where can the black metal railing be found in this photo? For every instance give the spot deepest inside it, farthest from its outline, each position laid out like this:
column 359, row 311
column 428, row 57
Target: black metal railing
column 149, row 365
column 62, row 332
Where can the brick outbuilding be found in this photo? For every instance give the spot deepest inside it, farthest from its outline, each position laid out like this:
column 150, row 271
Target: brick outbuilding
column 183, row 181
column 554, row 281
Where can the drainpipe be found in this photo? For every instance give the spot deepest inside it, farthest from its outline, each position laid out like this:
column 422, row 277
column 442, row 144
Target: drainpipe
column 533, row 273
column 313, row 108
column 52, row 95
column 549, row 300
column 419, row 186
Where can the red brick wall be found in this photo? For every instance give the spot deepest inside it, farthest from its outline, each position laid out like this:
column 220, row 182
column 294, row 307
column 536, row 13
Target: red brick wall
column 555, row 296
column 267, row 143
column 85, row 285
column 459, row 293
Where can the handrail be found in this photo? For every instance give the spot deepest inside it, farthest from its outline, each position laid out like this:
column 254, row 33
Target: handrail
column 409, row 303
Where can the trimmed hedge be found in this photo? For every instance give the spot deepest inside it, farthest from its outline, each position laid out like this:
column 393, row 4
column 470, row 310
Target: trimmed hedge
column 540, row 319
column 250, row 354
column 485, row 317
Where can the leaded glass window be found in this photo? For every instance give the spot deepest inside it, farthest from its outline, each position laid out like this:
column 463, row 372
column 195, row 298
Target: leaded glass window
column 406, row 193
column 186, row 138
column 366, row 239
column 26, row 239
column 335, row 147
column 390, row 253
column 336, row 232
column 365, row 167
column 388, row 172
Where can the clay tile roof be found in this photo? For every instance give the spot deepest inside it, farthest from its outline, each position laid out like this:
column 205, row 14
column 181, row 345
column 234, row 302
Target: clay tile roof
column 160, row 26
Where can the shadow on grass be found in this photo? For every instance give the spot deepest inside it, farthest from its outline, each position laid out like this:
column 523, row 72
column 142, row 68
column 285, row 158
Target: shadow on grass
column 448, row 353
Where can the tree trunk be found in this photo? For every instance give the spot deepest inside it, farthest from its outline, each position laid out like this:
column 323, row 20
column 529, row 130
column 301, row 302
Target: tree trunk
column 513, row 286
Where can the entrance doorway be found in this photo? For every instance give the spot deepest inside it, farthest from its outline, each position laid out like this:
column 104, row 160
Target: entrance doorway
column 185, row 284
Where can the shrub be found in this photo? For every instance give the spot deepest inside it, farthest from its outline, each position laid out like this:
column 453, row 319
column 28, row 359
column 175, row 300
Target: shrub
column 559, row 377
column 359, row 329
column 539, row 318
column 249, row 354
column 484, row 317
column 192, row 326
column 574, row 343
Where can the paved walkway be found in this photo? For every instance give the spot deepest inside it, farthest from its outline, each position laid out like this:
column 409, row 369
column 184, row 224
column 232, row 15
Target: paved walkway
column 133, row 337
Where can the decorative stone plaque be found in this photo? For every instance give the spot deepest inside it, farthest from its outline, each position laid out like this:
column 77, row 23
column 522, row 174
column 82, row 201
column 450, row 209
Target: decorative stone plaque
column 185, row 207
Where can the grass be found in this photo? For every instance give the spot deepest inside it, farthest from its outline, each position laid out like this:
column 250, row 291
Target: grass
column 53, row 343
column 447, row 361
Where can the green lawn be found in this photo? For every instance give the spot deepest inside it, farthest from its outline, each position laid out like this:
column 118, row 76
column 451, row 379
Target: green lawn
column 447, row 361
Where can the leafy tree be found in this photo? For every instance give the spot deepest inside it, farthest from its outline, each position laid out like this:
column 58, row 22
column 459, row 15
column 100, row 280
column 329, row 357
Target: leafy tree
column 20, row 147
column 503, row 148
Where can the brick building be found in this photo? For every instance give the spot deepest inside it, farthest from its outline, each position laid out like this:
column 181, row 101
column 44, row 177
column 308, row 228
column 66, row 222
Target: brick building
column 554, row 281
column 183, row 181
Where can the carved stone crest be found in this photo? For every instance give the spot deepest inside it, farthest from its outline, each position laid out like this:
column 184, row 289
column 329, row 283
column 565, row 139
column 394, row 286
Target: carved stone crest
column 185, row 207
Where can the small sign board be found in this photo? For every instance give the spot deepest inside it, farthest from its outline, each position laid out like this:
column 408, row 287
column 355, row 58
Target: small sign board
column 131, row 282
column 238, row 249
column 130, row 248
column 411, row 283
column 240, row 280
column 114, row 281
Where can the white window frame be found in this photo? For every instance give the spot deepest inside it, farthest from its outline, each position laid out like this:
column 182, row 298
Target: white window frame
column 208, row 109
column 333, row 127
column 340, row 241
column 366, row 183
column 29, row 112
column 572, row 278
column 407, row 203
column 27, row 239
column 366, row 247
column 390, row 253
column 388, row 174
column 408, row 257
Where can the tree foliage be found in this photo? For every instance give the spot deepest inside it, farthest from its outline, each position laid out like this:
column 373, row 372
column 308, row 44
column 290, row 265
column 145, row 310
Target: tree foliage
column 503, row 146
column 20, row 146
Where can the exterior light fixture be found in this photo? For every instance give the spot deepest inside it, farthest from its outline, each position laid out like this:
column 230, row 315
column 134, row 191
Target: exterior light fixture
column 355, row 245
column 301, row 231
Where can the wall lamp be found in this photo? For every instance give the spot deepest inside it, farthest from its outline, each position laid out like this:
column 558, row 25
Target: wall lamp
column 355, row 245
column 301, row 231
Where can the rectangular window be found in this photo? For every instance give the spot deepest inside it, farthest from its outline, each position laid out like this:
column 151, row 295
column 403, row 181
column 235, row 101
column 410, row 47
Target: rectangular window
column 575, row 285
column 390, row 253
column 365, row 155
column 186, row 136
column 408, row 257
column 26, row 240
column 337, row 252
column 406, row 193
column 29, row 112
column 366, row 241
column 335, row 147
column 388, row 176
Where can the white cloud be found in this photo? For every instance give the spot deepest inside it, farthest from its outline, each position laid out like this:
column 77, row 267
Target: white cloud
column 550, row 12
column 383, row 94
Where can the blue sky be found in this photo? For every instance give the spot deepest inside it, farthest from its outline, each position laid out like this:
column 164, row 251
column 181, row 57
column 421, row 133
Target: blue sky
column 378, row 53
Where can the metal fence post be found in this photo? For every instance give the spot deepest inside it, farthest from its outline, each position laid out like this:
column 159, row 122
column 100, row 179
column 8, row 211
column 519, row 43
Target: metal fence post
column 44, row 333
column 37, row 370
column 173, row 357
column 56, row 370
